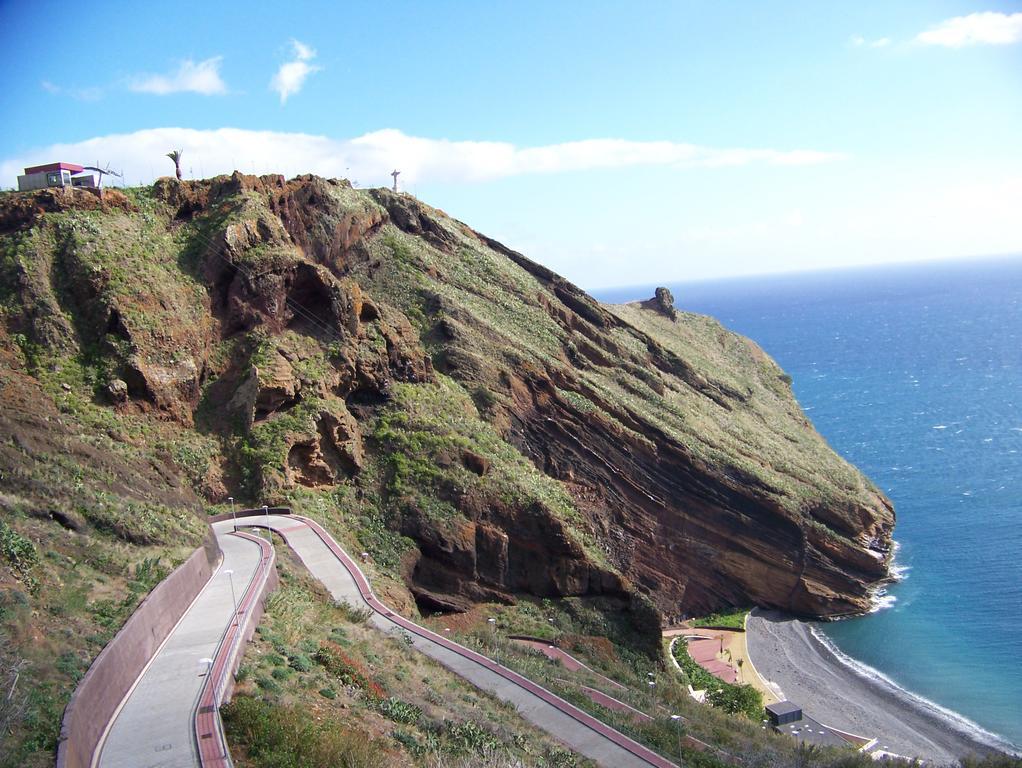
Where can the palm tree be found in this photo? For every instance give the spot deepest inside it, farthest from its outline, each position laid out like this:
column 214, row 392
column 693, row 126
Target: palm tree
column 176, row 157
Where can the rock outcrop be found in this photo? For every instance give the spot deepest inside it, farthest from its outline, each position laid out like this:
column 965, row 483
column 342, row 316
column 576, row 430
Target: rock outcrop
column 662, row 302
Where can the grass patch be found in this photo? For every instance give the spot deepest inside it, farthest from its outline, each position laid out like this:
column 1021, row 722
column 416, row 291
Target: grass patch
column 726, row 619
column 274, row 735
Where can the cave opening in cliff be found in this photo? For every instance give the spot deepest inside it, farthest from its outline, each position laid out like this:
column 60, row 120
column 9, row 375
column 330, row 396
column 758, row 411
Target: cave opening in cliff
column 310, row 305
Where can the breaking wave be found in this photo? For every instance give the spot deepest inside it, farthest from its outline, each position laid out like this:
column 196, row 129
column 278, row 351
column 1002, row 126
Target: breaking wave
column 954, row 720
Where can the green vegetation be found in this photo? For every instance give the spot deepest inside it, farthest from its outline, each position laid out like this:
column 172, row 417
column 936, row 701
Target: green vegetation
column 430, row 435
column 137, row 522
column 725, row 620
column 273, row 735
column 730, row 698
column 347, row 670
column 19, row 553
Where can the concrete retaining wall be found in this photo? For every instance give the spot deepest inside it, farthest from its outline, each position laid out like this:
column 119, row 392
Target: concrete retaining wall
column 119, row 664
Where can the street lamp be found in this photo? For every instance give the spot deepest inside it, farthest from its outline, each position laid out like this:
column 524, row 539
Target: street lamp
column 233, row 516
column 266, row 511
column 209, row 673
column 234, row 598
column 677, row 721
column 652, row 696
column 493, row 630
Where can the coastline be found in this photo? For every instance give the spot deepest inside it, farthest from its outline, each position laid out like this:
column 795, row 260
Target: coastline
column 787, row 652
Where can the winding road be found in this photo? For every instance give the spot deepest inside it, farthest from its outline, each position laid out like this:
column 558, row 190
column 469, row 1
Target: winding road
column 329, row 563
column 169, row 718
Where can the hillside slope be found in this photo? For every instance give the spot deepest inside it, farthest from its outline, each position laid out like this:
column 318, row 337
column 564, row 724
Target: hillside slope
column 480, row 425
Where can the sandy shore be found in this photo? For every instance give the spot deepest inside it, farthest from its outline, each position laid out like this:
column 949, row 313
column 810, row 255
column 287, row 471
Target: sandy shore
column 786, row 653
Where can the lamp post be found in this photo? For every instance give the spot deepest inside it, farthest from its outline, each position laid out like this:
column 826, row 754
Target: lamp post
column 234, row 517
column 652, row 696
column 677, row 722
column 234, row 598
column 266, row 511
column 493, row 631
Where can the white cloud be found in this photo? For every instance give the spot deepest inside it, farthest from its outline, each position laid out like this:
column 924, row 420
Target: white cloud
column 91, row 93
column 202, row 77
column 988, row 28
column 371, row 157
column 292, row 74
column 302, row 51
column 859, row 41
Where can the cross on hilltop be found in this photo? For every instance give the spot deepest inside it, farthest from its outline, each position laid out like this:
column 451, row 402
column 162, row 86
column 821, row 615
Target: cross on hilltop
column 395, row 174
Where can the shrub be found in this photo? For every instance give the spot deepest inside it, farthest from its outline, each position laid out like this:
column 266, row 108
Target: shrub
column 729, row 619
column 737, row 698
column 469, row 736
column 278, row 736
column 347, row 670
column 281, row 673
column 268, row 684
column 399, row 711
column 19, row 553
column 353, row 613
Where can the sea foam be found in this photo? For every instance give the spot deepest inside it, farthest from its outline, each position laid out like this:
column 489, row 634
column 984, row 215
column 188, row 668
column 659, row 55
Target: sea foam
column 955, row 720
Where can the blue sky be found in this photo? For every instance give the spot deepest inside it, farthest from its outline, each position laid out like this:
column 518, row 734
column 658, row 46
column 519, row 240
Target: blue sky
column 616, row 142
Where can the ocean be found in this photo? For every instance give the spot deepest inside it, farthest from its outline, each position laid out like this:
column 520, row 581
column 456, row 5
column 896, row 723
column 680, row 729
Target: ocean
column 914, row 374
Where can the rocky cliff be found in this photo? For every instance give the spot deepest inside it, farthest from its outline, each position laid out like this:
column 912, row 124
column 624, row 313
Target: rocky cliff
column 479, row 424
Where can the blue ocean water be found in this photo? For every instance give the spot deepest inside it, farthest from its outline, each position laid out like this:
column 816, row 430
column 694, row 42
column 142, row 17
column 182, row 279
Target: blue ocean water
column 914, row 374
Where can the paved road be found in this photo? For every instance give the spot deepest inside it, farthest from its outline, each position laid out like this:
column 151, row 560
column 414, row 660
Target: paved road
column 331, row 565
column 155, row 727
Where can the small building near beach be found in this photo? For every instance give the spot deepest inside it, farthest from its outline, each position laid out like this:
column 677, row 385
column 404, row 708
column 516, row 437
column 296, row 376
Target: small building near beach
column 787, row 717
column 784, row 712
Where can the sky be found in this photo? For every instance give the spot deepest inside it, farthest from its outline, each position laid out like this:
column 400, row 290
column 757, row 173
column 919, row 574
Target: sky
column 617, row 143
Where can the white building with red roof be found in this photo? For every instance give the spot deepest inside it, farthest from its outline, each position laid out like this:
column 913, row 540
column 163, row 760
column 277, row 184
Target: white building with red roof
column 55, row 175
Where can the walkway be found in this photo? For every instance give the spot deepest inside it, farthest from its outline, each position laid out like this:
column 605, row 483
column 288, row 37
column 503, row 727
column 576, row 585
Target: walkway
column 566, row 660
column 706, row 652
column 344, row 580
column 156, row 724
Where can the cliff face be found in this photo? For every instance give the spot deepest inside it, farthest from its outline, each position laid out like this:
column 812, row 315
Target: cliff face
column 494, row 429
